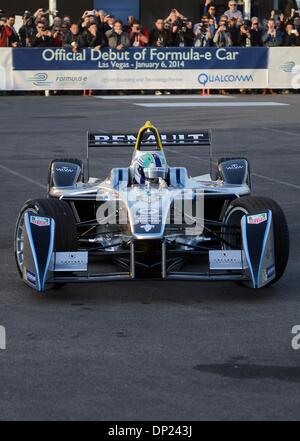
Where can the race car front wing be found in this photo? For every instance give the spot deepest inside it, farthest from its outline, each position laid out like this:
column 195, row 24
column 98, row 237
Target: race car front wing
column 43, row 265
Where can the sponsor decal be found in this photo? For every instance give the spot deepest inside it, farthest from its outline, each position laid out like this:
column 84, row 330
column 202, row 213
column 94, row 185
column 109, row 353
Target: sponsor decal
column 40, row 79
column 31, row 277
column 76, row 261
column 147, row 227
column 205, row 79
column 289, row 67
column 65, row 169
column 40, row 221
column 269, row 273
column 257, row 219
column 235, row 167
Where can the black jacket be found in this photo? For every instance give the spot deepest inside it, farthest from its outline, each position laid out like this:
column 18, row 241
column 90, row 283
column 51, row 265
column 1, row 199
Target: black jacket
column 94, row 41
column 256, row 37
column 70, row 38
column 44, row 41
column 165, row 36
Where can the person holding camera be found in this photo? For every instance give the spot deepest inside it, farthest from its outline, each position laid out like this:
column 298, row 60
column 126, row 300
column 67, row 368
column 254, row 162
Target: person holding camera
column 138, row 36
column 73, row 39
column 159, row 36
column 43, row 37
column 222, row 37
column 292, row 36
column 94, row 38
column 27, row 31
column 117, row 38
column 204, row 33
column 256, row 33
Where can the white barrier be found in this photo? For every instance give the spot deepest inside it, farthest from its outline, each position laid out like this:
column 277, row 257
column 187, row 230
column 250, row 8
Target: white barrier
column 233, row 68
column 6, row 70
column 284, row 68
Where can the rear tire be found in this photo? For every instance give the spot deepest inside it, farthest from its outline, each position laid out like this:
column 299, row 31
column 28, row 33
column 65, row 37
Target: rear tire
column 250, row 205
column 65, row 225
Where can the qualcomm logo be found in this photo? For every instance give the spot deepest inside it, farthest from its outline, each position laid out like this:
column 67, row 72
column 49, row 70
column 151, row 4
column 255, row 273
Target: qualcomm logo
column 204, row 78
column 40, row 79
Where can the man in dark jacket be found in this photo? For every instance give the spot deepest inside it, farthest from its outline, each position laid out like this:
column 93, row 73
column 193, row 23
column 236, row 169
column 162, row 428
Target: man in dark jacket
column 256, row 33
column 159, row 36
column 95, row 38
column 117, row 38
column 27, row 31
column 73, row 39
column 43, row 38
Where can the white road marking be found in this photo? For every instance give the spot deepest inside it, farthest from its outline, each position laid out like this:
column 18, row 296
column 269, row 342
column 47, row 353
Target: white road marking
column 276, row 181
column 163, row 97
column 25, row 178
column 284, row 132
column 236, row 104
column 267, row 178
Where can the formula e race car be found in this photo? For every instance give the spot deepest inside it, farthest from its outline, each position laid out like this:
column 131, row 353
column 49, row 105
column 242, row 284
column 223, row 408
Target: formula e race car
column 150, row 220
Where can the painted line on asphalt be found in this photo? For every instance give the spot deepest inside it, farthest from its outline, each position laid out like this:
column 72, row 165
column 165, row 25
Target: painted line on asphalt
column 25, row 178
column 284, row 132
column 267, row 178
column 277, row 181
column 164, row 97
column 236, row 104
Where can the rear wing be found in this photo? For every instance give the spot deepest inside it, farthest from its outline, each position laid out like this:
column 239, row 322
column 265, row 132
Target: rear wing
column 148, row 136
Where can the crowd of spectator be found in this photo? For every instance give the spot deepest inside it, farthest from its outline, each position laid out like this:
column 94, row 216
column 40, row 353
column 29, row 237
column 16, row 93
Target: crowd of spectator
column 98, row 29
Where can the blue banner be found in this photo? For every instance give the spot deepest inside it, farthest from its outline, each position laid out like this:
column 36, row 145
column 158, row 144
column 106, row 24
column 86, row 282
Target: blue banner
column 149, row 58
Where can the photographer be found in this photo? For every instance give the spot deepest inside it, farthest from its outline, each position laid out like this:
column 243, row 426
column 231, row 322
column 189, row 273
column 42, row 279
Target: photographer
column 182, row 34
column 73, row 39
column 245, row 34
column 222, row 37
column 117, row 38
column 27, row 31
column 5, row 32
column 292, row 36
column 204, row 33
column 43, row 38
column 256, row 33
column 159, row 36
column 234, row 31
column 94, row 38
column 137, row 35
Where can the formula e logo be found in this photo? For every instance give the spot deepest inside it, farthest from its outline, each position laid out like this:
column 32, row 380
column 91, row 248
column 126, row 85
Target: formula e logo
column 40, row 221
column 40, row 79
column 257, row 219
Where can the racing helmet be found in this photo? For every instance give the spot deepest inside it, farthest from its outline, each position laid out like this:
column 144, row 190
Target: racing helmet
column 150, row 167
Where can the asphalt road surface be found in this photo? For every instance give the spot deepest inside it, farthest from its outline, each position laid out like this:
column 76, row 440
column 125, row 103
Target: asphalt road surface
column 149, row 350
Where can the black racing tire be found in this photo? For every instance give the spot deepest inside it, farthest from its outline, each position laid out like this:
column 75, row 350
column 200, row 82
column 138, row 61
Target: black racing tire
column 65, row 225
column 69, row 161
column 250, row 205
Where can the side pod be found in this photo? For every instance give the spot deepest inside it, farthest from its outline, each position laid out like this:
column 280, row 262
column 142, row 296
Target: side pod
column 39, row 235
column 258, row 244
